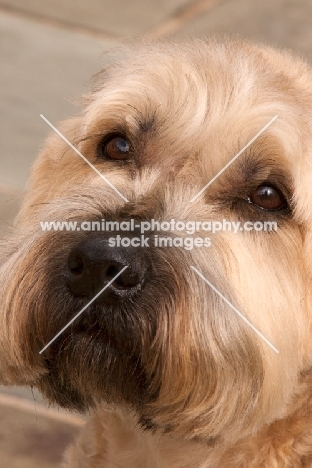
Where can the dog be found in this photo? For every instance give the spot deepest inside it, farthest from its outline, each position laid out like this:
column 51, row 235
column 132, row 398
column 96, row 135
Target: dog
column 186, row 355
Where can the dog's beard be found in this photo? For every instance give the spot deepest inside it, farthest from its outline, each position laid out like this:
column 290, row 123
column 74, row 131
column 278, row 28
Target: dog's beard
column 103, row 353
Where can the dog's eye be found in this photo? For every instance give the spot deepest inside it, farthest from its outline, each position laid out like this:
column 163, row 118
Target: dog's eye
column 115, row 147
column 268, row 198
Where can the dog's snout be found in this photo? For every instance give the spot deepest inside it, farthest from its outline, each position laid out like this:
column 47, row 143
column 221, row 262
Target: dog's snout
column 93, row 263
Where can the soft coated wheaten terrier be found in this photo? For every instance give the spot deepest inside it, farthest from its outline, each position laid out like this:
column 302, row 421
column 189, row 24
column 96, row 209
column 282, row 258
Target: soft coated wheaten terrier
column 197, row 357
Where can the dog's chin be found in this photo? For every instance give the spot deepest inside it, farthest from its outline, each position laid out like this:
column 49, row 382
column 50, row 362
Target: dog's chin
column 96, row 360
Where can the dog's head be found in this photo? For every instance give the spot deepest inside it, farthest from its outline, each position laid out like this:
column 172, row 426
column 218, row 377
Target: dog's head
column 192, row 351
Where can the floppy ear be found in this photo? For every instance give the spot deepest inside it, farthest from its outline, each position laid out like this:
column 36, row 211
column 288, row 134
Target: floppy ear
column 46, row 168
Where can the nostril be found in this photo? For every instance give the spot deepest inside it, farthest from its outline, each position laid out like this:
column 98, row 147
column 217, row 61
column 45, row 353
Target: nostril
column 75, row 263
column 112, row 271
column 126, row 280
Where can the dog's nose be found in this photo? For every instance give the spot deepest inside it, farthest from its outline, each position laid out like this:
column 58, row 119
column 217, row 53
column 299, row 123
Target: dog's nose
column 93, row 263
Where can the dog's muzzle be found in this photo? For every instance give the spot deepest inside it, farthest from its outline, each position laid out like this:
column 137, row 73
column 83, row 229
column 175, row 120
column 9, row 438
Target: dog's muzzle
column 93, row 263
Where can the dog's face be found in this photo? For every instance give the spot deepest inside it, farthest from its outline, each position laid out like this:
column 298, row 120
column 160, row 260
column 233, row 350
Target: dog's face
column 160, row 125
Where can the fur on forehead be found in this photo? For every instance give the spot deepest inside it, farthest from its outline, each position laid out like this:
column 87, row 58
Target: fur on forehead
column 198, row 88
column 216, row 73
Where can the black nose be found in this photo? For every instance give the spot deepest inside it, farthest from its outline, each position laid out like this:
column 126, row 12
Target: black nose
column 92, row 264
